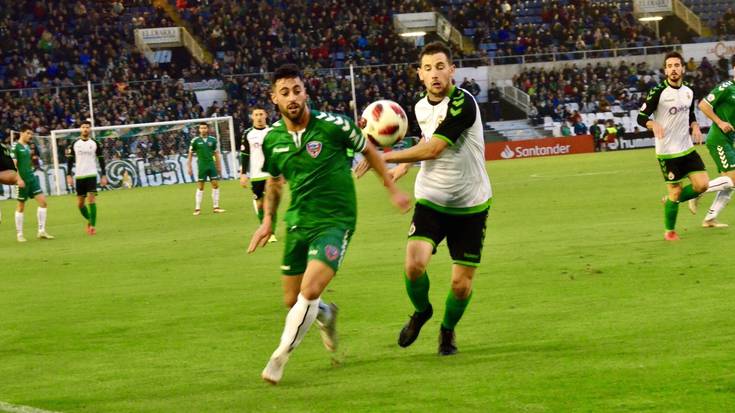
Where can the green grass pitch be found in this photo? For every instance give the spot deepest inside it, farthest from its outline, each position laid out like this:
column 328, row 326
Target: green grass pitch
column 579, row 306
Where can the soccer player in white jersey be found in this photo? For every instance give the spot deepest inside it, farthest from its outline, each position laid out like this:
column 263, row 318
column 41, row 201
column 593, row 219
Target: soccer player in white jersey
column 22, row 156
column 671, row 104
column 85, row 152
column 453, row 194
column 251, row 162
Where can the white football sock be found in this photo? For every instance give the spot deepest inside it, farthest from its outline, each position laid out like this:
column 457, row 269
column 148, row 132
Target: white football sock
column 198, row 197
column 721, row 200
column 41, row 215
column 215, row 198
column 19, row 222
column 299, row 319
column 720, row 183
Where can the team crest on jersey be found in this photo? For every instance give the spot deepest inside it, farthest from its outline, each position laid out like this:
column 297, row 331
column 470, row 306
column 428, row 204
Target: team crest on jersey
column 671, row 175
column 331, row 252
column 314, row 148
column 411, row 229
column 710, row 97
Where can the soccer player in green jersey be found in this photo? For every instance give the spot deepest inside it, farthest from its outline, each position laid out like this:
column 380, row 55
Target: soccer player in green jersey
column 21, row 154
column 719, row 106
column 309, row 149
column 208, row 167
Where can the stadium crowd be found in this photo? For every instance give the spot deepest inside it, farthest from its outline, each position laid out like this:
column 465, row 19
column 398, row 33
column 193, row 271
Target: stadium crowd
column 563, row 94
column 520, row 27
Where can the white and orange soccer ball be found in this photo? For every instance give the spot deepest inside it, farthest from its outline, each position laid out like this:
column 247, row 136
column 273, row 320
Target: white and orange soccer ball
column 384, row 122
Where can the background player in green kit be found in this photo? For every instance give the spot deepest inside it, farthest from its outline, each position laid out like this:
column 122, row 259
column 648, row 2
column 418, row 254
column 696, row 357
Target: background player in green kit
column 208, row 166
column 309, row 149
column 719, row 106
column 21, row 153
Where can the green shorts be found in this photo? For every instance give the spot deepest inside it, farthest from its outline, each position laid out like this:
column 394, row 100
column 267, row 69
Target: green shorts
column 722, row 151
column 327, row 245
column 31, row 189
column 208, row 171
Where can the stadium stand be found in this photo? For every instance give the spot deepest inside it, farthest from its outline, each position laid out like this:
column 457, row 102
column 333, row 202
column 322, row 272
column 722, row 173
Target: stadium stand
column 534, row 28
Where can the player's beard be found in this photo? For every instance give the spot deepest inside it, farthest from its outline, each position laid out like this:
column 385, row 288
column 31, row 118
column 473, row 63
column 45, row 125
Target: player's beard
column 286, row 112
column 674, row 77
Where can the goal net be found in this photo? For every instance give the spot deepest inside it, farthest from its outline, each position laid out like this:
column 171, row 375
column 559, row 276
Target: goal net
column 145, row 154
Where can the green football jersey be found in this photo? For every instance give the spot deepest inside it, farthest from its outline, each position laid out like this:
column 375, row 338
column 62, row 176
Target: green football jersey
column 22, row 155
column 204, row 148
column 315, row 163
column 722, row 99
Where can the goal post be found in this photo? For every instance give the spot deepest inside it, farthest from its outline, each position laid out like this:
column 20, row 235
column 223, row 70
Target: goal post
column 151, row 154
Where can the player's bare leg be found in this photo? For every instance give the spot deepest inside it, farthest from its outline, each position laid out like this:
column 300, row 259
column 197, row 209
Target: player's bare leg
column 418, row 255
column 302, row 314
column 721, row 200
column 19, row 221
column 457, row 302
column 198, row 198
column 41, row 215
column 215, row 198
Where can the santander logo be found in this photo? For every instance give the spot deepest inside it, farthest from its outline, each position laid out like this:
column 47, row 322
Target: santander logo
column 507, row 153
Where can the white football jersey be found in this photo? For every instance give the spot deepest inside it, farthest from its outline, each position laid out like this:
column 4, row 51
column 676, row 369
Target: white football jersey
column 85, row 154
column 253, row 145
column 673, row 108
column 457, row 179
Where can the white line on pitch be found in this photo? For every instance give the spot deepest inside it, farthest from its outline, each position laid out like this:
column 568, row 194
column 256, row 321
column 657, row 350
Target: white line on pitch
column 14, row 408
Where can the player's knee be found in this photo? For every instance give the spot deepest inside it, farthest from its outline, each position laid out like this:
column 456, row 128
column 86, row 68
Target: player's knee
column 289, row 300
column 461, row 288
column 700, row 186
column 415, row 268
column 310, row 292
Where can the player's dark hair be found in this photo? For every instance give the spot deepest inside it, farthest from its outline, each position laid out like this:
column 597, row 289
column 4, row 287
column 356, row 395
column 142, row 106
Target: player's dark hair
column 85, row 122
column 257, row 107
column 286, row 71
column 674, row 55
column 203, row 123
column 26, row 127
column 434, row 48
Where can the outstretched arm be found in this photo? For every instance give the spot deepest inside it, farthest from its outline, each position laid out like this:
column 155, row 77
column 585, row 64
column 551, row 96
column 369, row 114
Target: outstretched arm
column 273, row 189
column 399, row 199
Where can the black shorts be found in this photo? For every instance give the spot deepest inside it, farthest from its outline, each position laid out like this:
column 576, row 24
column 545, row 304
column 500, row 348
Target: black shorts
column 465, row 233
column 86, row 186
column 676, row 169
column 258, row 188
column 6, row 162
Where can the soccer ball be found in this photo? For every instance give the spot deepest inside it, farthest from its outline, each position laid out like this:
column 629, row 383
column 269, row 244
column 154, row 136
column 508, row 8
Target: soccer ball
column 384, row 122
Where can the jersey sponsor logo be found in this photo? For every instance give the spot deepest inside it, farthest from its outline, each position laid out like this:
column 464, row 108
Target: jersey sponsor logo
column 281, row 149
column 314, row 148
column 331, row 252
column 676, row 109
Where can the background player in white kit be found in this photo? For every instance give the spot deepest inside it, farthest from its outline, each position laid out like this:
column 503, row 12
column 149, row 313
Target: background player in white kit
column 85, row 152
column 671, row 103
column 453, row 193
column 251, row 162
